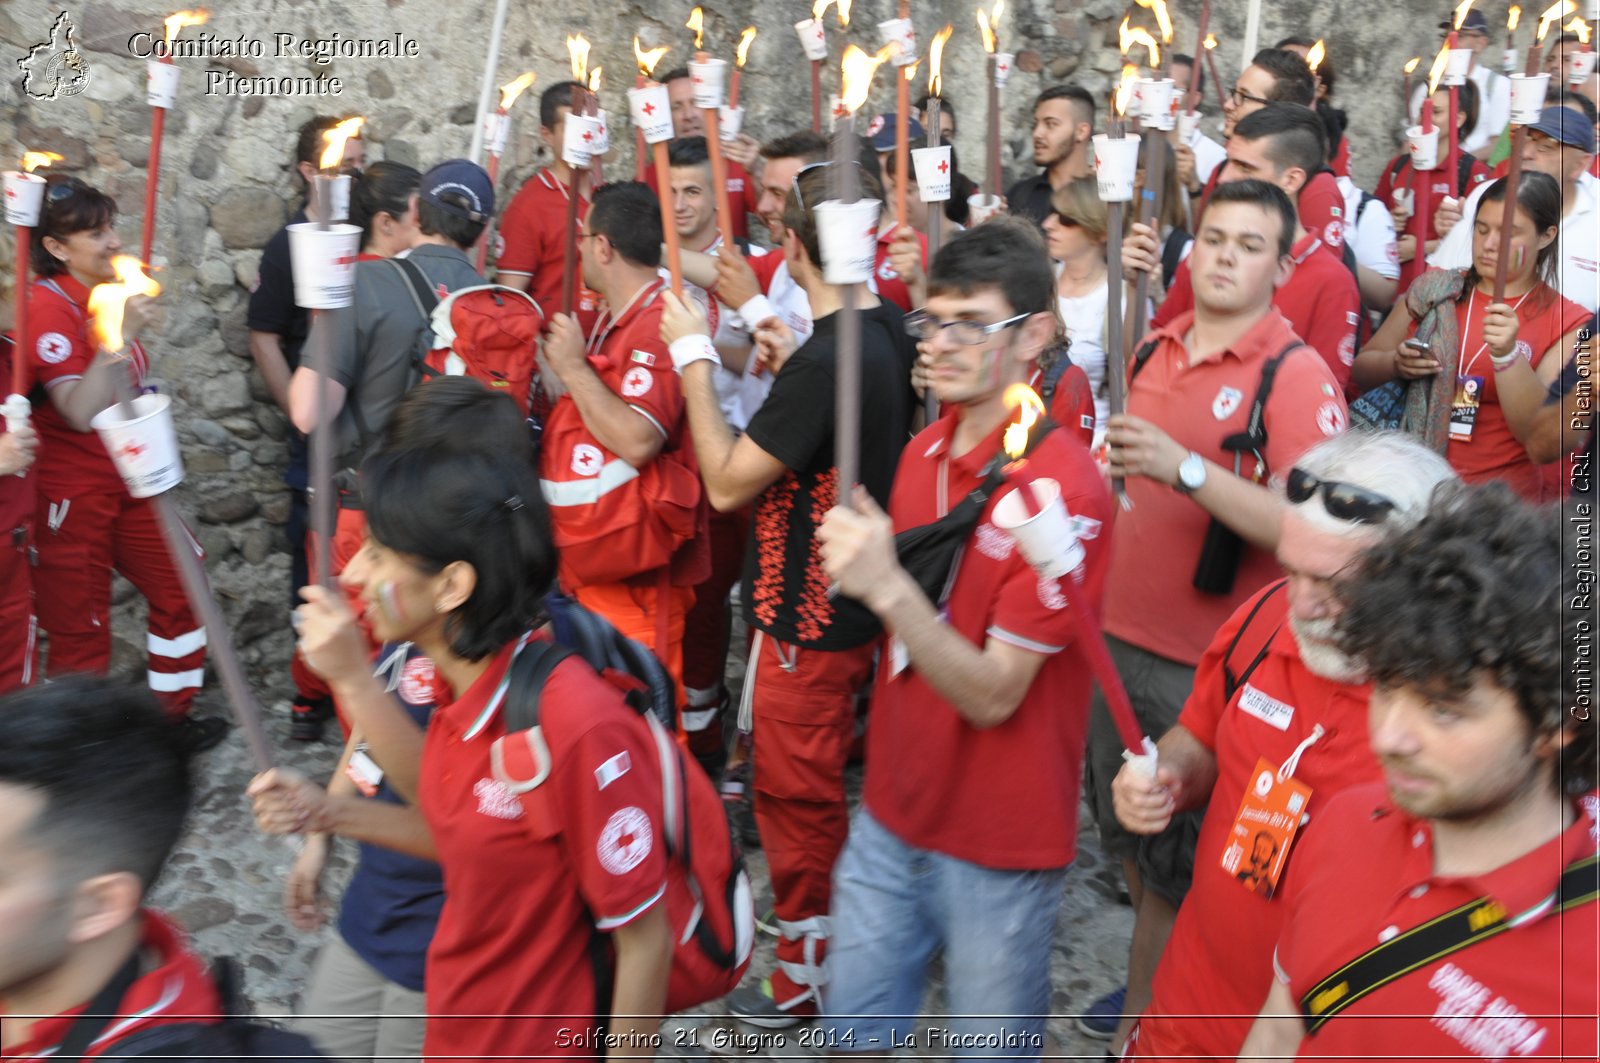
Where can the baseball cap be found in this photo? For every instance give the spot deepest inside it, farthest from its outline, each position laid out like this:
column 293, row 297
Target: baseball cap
column 460, row 187
column 1566, row 126
column 1474, row 21
column 881, row 131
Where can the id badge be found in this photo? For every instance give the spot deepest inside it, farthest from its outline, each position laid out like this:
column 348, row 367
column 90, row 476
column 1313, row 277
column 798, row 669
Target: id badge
column 1464, row 410
column 364, row 772
column 1269, row 817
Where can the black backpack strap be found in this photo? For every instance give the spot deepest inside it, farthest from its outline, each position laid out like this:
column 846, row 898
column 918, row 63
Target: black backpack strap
column 1230, row 683
column 422, row 292
column 1141, row 356
column 525, row 680
column 100, row 1012
column 1439, row 937
column 1172, row 252
column 1254, row 436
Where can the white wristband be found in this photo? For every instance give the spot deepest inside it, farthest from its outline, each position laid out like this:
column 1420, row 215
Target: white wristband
column 686, row 350
column 756, row 310
column 1522, row 352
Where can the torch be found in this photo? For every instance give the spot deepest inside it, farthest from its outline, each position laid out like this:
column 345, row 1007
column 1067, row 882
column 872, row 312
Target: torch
column 161, row 91
column 1048, row 537
column 598, row 130
column 651, row 110
column 1115, row 157
column 578, row 53
column 813, row 36
column 496, row 129
column 1314, row 57
column 899, row 34
column 1405, row 78
column 989, row 26
column 1211, row 67
column 24, row 200
column 138, row 432
column 647, row 63
column 746, row 39
column 1155, row 98
column 1580, row 61
column 1192, row 98
column 1455, row 76
column 1509, row 61
column 939, row 158
column 707, row 75
column 1424, row 160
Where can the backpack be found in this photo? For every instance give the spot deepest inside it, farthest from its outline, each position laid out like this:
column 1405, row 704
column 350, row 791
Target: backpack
column 708, row 898
column 488, row 332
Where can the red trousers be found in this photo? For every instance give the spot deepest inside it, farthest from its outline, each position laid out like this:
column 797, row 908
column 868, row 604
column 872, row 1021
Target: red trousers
column 707, row 629
column 18, row 628
column 804, row 711
column 633, row 611
column 80, row 541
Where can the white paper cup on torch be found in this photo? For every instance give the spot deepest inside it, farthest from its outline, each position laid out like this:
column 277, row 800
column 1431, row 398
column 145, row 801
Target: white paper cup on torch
column 1579, row 67
column 651, row 111
column 1510, row 60
column 24, row 197
column 932, row 166
column 1157, row 101
column 579, row 141
column 1527, row 97
column 898, row 31
column 144, row 449
column 708, row 78
column 1046, row 538
column 847, row 235
column 1456, row 68
column 813, row 38
column 982, row 207
column 1116, row 161
column 335, row 191
column 496, row 128
column 729, row 121
column 1424, row 147
column 1003, row 62
column 602, row 136
column 161, row 84
column 1188, row 125
column 324, row 264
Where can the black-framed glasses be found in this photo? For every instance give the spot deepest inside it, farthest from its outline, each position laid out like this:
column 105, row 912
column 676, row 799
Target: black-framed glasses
column 924, row 326
column 1241, row 97
column 1343, row 501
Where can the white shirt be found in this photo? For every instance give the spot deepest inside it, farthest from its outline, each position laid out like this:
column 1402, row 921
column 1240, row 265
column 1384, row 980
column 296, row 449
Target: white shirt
column 1374, row 237
column 1208, row 155
column 1578, row 242
column 1494, row 109
column 1085, row 320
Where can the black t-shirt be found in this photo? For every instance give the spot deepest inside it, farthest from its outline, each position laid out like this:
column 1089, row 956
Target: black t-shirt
column 1030, row 198
column 272, row 305
column 785, row 591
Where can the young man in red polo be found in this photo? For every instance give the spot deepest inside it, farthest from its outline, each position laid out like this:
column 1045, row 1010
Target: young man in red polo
column 626, row 505
column 1272, row 690
column 1465, row 924
column 1199, row 537
column 969, row 812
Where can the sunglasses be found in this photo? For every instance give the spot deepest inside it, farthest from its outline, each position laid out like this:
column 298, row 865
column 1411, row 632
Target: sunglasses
column 1343, row 501
column 61, row 191
column 1067, row 221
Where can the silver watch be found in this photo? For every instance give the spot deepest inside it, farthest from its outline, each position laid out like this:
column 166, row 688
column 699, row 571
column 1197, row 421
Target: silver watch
column 1191, row 474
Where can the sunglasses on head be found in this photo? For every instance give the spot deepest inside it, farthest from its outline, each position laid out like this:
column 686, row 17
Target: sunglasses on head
column 1343, row 501
column 64, row 190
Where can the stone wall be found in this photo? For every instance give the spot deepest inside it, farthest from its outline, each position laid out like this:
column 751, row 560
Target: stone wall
column 225, row 185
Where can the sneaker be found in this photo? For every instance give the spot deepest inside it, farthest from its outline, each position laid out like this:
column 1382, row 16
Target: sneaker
column 754, row 1005
column 199, row 733
column 1104, row 1015
column 306, row 719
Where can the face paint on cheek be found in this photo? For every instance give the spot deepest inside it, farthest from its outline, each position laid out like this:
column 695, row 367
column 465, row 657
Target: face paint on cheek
column 389, row 602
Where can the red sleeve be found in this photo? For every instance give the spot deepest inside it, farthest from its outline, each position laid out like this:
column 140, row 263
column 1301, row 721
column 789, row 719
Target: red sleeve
column 1179, row 300
column 1334, row 318
column 520, row 230
column 1477, row 173
column 58, row 345
column 1341, row 158
column 1385, row 189
column 1072, row 406
column 644, row 378
column 1322, row 210
column 1305, row 407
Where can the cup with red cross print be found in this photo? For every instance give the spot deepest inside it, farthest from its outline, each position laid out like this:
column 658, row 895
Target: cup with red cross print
column 848, row 237
column 144, row 448
column 24, row 197
column 933, row 172
column 651, row 110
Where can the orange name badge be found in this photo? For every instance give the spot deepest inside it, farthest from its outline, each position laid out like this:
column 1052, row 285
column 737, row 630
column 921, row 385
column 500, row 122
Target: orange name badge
column 1269, row 817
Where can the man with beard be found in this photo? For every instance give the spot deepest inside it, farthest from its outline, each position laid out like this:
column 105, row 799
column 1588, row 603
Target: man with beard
column 1273, row 690
column 1454, row 915
column 1063, row 122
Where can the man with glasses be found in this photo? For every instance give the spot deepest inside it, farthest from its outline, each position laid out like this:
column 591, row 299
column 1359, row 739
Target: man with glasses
column 1273, row 689
column 813, row 650
column 969, row 812
column 1494, row 91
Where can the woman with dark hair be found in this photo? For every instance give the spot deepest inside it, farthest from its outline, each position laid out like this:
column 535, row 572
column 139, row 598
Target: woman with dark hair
column 1502, row 355
column 384, row 204
column 1396, row 184
column 458, row 559
column 85, row 522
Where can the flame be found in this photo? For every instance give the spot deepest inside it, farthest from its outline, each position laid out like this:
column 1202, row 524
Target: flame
column 1211, row 41
column 990, row 25
column 1130, row 79
column 1553, row 14
column 855, row 75
column 1315, row 56
column 1163, row 20
column 512, row 89
column 844, row 12
column 578, row 53
column 106, row 301
column 743, row 51
column 1512, row 18
column 334, row 140
column 1411, row 67
column 697, row 22
column 647, row 60
column 1461, row 12
column 911, row 70
column 1436, row 71
column 936, row 60
column 819, row 8
column 594, row 79
column 176, row 22
column 32, row 160
column 1030, row 408
column 1138, row 35
column 1579, row 27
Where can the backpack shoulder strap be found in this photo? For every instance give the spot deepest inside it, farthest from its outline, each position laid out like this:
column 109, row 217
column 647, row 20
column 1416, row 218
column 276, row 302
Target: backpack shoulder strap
column 1172, row 252
column 1254, row 436
column 1230, row 682
column 525, row 681
column 417, row 284
column 1141, row 356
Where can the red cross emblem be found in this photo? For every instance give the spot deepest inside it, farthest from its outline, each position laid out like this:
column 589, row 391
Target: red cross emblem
column 648, row 108
column 840, row 110
column 588, row 135
column 11, row 193
column 944, row 166
column 1004, row 67
column 131, row 450
column 344, row 260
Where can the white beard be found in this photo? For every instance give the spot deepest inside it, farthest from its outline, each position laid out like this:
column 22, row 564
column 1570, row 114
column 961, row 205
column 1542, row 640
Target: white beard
column 1319, row 655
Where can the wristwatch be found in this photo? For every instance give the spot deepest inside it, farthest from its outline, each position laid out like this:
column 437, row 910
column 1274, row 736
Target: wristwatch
column 1191, row 474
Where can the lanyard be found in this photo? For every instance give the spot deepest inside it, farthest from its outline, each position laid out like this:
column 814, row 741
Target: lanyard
column 599, row 335
column 1466, row 332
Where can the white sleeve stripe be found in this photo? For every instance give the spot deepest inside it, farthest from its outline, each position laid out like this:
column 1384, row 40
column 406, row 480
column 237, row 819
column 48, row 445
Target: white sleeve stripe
column 61, row 380
column 647, row 415
column 612, row 922
column 513, row 272
column 1023, row 643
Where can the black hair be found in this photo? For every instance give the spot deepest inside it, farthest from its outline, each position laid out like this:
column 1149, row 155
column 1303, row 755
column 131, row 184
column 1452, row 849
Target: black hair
column 815, row 184
column 802, row 144
column 438, row 506
column 113, row 771
column 435, row 220
column 552, row 99
column 1294, row 137
column 459, row 412
column 384, row 188
column 1476, row 587
column 1005, row 253
column 309, row 145
column 1566, row 97
column 946, row 106
column 1266, row 195
column 628, row 214
column 1538, row 196
column 65, row 212
column 1197, row 73
column 1291, row 76
column 1072, row 93
column 688, row 151
column 677, row 73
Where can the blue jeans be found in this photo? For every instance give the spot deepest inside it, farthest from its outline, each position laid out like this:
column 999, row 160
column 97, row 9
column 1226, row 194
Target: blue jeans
column 893, row 906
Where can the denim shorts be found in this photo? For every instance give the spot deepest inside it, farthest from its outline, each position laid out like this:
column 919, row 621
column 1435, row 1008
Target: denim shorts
column 893, row 906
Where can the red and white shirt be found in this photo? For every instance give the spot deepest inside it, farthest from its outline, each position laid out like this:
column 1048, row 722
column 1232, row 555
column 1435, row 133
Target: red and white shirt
column 534, row 244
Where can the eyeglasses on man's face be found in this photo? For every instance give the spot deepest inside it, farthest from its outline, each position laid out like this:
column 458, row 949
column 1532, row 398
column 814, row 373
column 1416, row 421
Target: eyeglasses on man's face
column 968, row 333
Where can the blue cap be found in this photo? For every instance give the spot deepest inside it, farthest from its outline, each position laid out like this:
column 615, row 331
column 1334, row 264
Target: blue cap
column 1566, row 126
column 881, row 131
column 460, row 187
column 1475, row 20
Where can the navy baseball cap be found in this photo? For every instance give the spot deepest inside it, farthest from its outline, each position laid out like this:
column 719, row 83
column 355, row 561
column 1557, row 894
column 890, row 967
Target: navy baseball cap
column 1473, row 21
column 460, row 187
column 1566, row 126
column 881, row 131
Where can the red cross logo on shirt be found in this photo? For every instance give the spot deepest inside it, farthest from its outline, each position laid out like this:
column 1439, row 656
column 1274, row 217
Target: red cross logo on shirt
column 648, row 108
column 130, row 450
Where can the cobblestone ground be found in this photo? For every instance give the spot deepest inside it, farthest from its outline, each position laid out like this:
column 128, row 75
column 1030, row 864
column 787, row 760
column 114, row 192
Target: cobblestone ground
column 225, row 885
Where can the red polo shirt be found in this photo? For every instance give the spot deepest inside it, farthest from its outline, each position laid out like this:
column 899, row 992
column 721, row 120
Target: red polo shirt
column 176, row 990
column 1528, row 991
column 744, row 194
column 1007, row 796
column 1217, row 966
column 1321, row 301
column 533, row 244
column 530, row 880
column 1151, row 601
column 887, row 282
column 59, row 349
